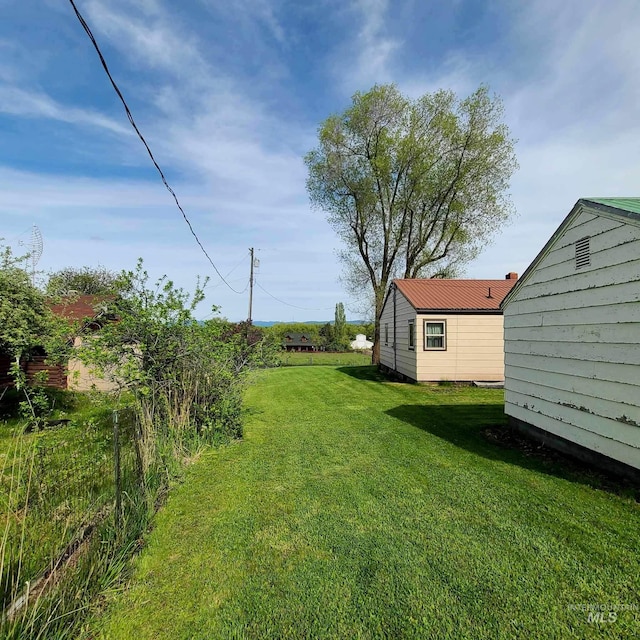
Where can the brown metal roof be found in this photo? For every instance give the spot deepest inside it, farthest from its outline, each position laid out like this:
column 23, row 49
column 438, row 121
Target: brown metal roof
column 455, row 295
column 79, row 307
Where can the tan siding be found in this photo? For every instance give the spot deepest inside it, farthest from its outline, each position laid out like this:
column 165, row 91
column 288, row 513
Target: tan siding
column 474, row 346
column 84, row 378
column 474, row 349
column 405, row 359
column 572, row 341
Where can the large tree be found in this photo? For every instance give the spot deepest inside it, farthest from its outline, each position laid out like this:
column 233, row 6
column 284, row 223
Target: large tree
column 82, row 280
column 414, row 188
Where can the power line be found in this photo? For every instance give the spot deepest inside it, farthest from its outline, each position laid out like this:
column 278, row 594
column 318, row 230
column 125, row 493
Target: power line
column 244, row 257
column 218, row 284
column 85, row 26
column 292, row 305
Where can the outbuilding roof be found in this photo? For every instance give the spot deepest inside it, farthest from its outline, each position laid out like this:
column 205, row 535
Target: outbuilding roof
column 297, row 340
column 618, row 205
column 455, row 295
column 79, row 307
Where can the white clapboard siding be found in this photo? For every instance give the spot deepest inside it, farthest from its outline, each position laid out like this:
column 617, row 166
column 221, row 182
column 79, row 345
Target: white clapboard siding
column 602, row 248
column 562, row 279
column 622, row 312
column 542, row 365
column 581, row 436
column 627, row 414
column 585, row 224
column 598, row 297
column 619, row 392
column 601, row 333
column 572, row 339
column 611, row 429
column 577, row 351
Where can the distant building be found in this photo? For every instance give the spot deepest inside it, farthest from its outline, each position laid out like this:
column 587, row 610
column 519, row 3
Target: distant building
column 298, row 342
column 88, row 314
column 361, row 342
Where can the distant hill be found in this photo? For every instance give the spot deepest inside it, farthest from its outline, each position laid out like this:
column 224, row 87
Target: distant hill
column 270, row 323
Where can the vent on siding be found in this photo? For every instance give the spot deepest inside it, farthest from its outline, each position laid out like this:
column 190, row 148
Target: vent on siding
column 583, row 253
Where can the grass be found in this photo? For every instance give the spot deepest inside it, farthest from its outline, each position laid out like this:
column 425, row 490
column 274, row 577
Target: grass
column 327, row 358
column 50, row 482
column 357, row 508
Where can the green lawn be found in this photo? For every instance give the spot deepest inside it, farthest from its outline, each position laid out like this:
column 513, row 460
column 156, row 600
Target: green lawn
column 52, row 483
column 360, row 509
column 301, row 358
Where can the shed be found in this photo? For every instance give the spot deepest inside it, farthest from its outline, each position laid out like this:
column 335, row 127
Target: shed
column 361, row 342
column 444, row 329
column 572, row 337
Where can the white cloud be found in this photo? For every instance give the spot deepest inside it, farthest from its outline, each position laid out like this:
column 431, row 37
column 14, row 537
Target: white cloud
column 575, row 116
column 366, row 60
column 31, row 104
column 152, row 39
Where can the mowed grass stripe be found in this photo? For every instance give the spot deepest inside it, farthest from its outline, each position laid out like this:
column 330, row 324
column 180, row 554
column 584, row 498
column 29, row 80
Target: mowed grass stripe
column 356, row 508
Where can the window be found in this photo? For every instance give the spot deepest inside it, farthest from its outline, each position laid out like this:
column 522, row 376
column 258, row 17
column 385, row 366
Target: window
column 435, row 335
column 412, row 333
column 386, row 333
column 583, row 253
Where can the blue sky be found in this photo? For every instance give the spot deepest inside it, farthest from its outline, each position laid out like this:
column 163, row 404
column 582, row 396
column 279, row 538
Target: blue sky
column 229, row 96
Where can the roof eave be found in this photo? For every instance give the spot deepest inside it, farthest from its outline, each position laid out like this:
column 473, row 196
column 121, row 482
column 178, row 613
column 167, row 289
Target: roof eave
column 460, row 311
column 611, row 210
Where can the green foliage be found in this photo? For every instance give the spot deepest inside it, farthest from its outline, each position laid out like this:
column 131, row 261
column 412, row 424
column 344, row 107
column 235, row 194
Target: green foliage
column 340, row 338
column 25, row 320
column 281, row 329
column 414, row 188
column 54, row 485
column 82, row 280
column 186, row 377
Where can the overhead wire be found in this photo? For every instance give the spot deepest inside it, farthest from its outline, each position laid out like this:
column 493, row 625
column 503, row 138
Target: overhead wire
column 85, row 26
column 212, row 286
column 288, row 304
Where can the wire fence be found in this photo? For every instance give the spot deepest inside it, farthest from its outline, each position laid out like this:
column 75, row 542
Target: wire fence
column 325, row 358
column 54, row 490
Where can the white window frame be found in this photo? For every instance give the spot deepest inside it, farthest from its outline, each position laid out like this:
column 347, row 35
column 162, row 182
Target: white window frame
column 442, row 335
column 412, row 335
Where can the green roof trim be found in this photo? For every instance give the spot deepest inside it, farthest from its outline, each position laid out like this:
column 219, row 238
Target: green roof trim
column 628, row 205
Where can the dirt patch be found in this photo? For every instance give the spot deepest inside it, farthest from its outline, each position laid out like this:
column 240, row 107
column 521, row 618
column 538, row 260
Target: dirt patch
column 570, row 467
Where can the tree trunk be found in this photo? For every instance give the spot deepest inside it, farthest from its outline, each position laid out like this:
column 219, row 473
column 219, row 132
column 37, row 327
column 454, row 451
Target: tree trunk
column 375, row 353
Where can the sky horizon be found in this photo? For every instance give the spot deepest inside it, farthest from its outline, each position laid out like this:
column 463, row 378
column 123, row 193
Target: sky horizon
column 229, row 97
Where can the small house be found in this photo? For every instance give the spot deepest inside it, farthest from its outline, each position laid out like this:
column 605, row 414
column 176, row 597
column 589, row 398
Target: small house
column 298, row 342
column 436, row 330
column 86, row 313
column 572, row 337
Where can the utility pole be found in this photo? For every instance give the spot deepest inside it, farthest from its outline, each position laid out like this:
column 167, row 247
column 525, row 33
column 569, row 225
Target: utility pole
column 251, row 285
